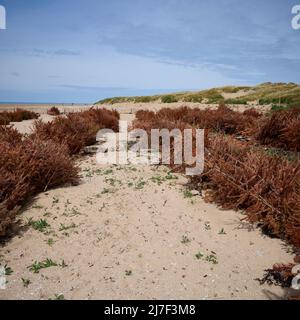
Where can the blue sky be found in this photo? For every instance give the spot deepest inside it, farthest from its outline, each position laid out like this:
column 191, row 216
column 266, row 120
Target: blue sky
column 85, row 50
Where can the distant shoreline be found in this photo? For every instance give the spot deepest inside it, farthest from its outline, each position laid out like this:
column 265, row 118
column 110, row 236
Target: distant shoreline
column 43, row 107
column 45, row 103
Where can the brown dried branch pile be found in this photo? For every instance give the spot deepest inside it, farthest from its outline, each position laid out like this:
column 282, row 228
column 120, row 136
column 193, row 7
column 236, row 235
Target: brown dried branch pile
column 77, row 129
column 281, row 130
column 54, row 111
column 16, row 116
column 266, row 187
column 29, row 165
column 222, row 119
column 280, row 275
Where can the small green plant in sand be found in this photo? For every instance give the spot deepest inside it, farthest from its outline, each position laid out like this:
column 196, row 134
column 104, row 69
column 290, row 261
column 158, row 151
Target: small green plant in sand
column 140, row 185
column 187, row 194
column 185, row 240
column 128, row 273
column 37, row 266
column 107, row 191
column 39, row 225
column 207, row 226
column 212, row 258
column 37, row 206
column 50, row 242
column 26, row 282
column 64, row 227
column 55, row 200
column 158, row 180
column 171, row 176
column 58, row 297
column 199, row 255
column 7, row 270
column 63, row 264
column 108, row 171
column 222, row 231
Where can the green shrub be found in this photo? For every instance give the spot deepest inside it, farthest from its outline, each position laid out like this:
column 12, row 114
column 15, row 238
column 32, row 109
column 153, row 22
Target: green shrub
column 169, row 99
column 236, row 101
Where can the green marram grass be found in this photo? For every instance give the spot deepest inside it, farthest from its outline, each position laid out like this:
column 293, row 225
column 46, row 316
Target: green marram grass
column 282, row 94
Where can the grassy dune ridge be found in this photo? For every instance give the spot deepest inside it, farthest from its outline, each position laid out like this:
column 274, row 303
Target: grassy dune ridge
column 265, row 93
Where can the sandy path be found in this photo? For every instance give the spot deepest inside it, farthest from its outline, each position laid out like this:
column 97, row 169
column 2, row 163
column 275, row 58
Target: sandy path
column 130, row 233
column 26, row 127
column 130, row 240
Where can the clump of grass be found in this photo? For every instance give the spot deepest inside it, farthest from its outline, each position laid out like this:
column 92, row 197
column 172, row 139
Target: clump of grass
column 171, row 176
column 199, row 255
column 212, row 258
column 106, row 191
column 222, row 232
column 107, row 172
column 207, row 226
column 169, row 99
column 64, row 227
column 185, row 240
column 128, row 273
column 187, row 194
column 58, row 297
column 37, row 266
column 157, row 179
column 236, row 101
column 50, row 242
column 7, row 270
column 39, row 225
column 37, row 206
column 140, row 184
column 26, row 282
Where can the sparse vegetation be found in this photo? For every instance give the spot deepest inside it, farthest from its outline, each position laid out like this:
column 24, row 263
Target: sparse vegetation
column 222, row 232
column 128, row 273
column 26, row 282
column 169, row 99
column 50, row 242
column 37, row 266
column 199, row 256
column 64, row 227
column 8, row 270
column 185, row 240
column 287, row 94
column 58, row 297
column 140, row 184
column 39, row 225
column 212, row 258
